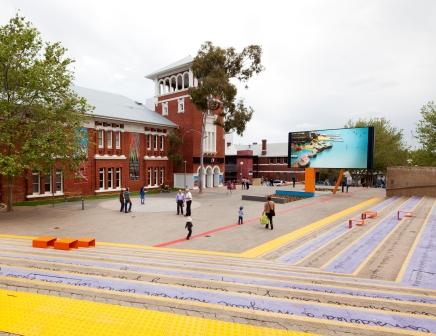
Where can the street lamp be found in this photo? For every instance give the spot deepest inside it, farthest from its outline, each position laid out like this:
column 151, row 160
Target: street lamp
column 241, row 163
column 184, row 176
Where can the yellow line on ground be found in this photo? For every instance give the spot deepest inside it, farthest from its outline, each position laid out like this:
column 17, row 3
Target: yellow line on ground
column 294, row 235
column 385, row 239
column 353, row 242
column 36, row 314
column 414, row 245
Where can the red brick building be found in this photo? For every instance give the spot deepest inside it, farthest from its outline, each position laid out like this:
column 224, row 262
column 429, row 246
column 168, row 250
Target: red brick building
column 127, row 143
column 269, row 161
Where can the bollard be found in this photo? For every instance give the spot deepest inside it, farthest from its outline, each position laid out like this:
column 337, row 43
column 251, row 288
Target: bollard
column 83, row 202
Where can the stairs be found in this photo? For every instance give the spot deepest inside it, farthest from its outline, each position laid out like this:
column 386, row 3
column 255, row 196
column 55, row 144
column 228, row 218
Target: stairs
column 289, row 289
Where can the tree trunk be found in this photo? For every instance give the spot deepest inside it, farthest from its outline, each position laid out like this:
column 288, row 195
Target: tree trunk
column 200, row 173
column 10, row 189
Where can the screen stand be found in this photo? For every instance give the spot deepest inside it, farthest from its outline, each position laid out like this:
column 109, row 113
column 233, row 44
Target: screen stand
column 309, row 180
column 338, row 181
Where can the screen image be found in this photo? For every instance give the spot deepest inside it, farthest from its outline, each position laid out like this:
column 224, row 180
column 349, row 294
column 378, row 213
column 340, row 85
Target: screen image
column 332, row 148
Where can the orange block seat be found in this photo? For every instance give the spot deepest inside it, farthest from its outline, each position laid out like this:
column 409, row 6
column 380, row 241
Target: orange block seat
column 357, row 221
column 405, row 214
column 86, row 242
column 43, row 242
column 66, row 243
column 368, row 214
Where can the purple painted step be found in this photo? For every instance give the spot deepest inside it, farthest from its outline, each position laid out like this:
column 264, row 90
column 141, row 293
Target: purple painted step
column 421, row 271
column 250, row 302
column 306, row 249
column 350, row 259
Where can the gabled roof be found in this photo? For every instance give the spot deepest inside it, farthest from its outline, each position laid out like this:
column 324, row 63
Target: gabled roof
column 118, row 107
column 180, row 64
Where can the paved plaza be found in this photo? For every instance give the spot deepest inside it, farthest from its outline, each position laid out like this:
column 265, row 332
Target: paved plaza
column 311, row 275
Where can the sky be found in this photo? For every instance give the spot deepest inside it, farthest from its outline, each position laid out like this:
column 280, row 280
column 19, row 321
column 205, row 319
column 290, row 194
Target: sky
column 326, row 62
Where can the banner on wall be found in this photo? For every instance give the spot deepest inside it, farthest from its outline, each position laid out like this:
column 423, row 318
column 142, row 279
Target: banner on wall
column 332, row 148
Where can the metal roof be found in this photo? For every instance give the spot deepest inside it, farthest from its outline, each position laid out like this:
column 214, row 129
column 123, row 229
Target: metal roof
column 182, row 63
column 118, row 107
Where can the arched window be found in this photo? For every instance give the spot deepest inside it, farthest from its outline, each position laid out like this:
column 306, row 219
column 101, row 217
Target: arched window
column 173, row 84
column 167, row 85
column 185, row 80
column 161, row 87
column 179, row 82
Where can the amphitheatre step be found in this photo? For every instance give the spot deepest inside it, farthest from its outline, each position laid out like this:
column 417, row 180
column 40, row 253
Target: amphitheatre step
column 132, row 262
column 295, row 253
column 215, row 300
column 386, row 260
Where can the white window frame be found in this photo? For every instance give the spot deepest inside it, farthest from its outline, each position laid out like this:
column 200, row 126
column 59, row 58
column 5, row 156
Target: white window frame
column 36, row 174
column 48, row 175
column 149, row 138
column 100, row 135
column 165, row 110
column 181, row 105
column 118, row 178
column 162, row 175
column 162, row 141
column 109, row 139
column 59, row 173
column 150, row 175
column 110, row 178
column 101, row 179
column 156, row 176
column 117, row 140
column 155, row 139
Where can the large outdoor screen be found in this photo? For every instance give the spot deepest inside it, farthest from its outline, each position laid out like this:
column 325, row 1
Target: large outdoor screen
column 332, row 148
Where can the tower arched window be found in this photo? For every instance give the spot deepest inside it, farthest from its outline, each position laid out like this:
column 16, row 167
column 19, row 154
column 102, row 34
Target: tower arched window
column 185, row 80
column 179, row 82
column 161, row 87
column 167, row 85
column 173, row 84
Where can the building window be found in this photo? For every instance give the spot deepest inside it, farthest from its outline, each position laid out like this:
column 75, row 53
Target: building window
column 118, row 140
column 162, row 141
column 100, row 139
column 181, row 105
column 162, row 175
column 47, row 183
column 155, row 142
column 35, row 183
column 59, row 181
column 165, row 108
column 148, row 141
column 149, row 176
column 101, row 178
column 110, row 173
column 272, row 160
column 118, row 178
column 109, row 139
column 156, row 175
column 185, row 80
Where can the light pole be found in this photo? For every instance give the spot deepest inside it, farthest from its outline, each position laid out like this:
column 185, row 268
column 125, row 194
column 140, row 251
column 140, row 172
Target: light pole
column 184, row 176
column 241, row 163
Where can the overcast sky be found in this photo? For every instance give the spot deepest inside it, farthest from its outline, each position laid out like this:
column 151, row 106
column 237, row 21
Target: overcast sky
column 325, row 61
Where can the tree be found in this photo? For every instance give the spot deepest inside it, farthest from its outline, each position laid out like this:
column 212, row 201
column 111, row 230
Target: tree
column 389, row 147
column 40, row 115
column 175, row 148
column 215, row 68
column 426, row 135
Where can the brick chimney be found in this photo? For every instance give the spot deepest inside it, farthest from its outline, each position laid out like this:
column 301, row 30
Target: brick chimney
column 263, row 146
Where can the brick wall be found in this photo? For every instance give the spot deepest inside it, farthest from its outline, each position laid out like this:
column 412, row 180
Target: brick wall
column 411, row 181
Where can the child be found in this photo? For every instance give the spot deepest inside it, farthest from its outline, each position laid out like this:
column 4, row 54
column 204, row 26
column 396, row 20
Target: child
column 189, row 227
column 241, row 215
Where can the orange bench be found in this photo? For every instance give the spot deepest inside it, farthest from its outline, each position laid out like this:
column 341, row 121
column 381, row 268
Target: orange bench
column 368, row 214
column 406, row 214
column 357, row 221
column 43, row 242
column 66, row 243
column 86, row 242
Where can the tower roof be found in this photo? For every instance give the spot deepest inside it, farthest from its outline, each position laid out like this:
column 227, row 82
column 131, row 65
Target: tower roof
column 179, row 65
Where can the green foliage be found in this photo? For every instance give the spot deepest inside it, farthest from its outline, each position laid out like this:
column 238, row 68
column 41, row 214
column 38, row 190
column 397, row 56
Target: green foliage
column 215, row 68
column 422, row 157
column 175, row 154
column 426, row 135
column 389, row 147
column 39, row 112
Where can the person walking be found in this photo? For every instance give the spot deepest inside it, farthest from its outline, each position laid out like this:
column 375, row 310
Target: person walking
column 269, row 210
column 180, row 199
column 293, row 181
column 188, row 199
column 189, row 226
column 142, row 194
column 229, row 187
column 241, row 215
column 122, row 200
column 127, row 200
column 349, row 181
